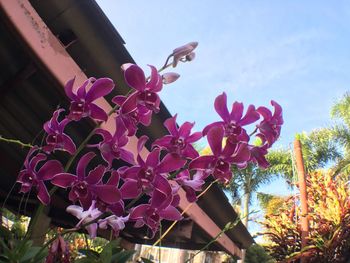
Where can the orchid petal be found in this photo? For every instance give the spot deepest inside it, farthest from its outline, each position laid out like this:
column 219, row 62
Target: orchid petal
column 68, row 88
column 170, row 124
column 202, row 162
column 170, row 213
column 97, row 113
column 130, row 189
column 215, row 137
column 185, row 129
column 171, row 162
column 95, row 176
column 251, row 116
column 107, row 193
column 49, row 170
column 83, row 162
column 127, row 156
column 139, row 211
column 212, row 125
column 63, row 180
column 135, row 77
column 153, row 158
column 130, row 103
column 68, row 144
column 220, row 105
column 43, row 194
column 101, row 87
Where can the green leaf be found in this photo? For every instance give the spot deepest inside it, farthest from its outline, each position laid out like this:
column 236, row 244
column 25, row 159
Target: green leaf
column 85, row 260
column 5, row 233
column 89, row 253
column 123, row 256
column 146, row 260
column 31, row 255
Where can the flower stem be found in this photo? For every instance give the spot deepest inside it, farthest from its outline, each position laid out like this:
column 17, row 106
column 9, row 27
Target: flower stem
column 66, row 168
column 183, row 212
column 18, row 142
column 252, row 133
column 227, row 227
column 134, row 201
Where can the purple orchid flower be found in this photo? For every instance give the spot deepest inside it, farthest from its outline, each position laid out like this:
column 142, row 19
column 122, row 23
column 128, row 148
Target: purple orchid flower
column 258, row 155
column 219, row 163
column 30, row 176
column 117, row 223
column 82, row 101
column 147, row 170
column 190, row 185
column 111, row 147
column 84, row 188
column 58, row 252
column 56, row 139
column 131, row 119
column 270, row 127
column 86, row 217
column 162, row 206
column 118, row 207
column 180, row 139
column 233, row 121
column 184, row 53
column 146, row 91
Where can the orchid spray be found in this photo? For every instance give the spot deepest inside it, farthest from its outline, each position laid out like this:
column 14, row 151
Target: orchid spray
column 144, row 191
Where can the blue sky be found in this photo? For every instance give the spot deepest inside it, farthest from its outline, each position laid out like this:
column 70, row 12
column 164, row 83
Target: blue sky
column 294, row 52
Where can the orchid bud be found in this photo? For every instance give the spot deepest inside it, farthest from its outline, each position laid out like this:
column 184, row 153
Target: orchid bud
column 125, row 66
column 183, row 51
column 190, row 56
column 170, row 77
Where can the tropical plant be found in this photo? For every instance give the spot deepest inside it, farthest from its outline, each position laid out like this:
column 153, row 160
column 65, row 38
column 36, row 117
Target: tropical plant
column 319, row 150
column 329, row 219
column 257, row 254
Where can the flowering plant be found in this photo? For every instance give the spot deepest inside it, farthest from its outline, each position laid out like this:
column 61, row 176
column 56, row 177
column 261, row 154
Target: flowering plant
column 329, row 219
column 107, row 196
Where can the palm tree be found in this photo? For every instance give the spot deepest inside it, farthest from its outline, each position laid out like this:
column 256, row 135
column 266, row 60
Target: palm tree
column 341, row 131
column 319, row 149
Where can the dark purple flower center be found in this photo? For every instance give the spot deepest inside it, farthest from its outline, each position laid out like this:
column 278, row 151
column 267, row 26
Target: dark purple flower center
column 78, row 109
column 29, row 179
column 149, row 98
column 80, row 189
column 115, row 150
column 231, row 128
column 54, row 139
column 222, row 166
column 134, row 116
column 179, row 143
column 146, row 176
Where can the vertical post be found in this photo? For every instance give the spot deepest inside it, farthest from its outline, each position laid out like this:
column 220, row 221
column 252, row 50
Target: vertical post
column 303, row 193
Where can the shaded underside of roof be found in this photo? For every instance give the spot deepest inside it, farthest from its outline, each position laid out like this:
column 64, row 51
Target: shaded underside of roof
column 29, row 95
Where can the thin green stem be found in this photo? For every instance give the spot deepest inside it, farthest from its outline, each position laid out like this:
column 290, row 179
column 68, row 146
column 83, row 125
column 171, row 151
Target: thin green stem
column 253, row 132
column 134, row 201
column 68, row 231
column 160, row 244
column 227, row 227
column 67, row 167
column 18, row 142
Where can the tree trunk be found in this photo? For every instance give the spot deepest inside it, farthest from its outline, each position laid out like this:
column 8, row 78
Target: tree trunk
column 246, row 217
column 246, row 209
